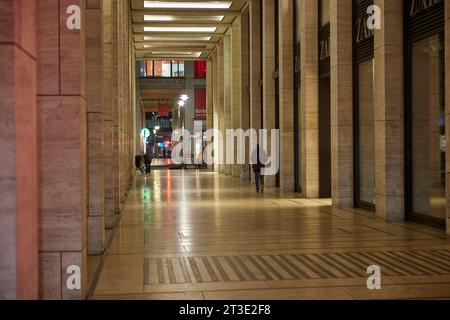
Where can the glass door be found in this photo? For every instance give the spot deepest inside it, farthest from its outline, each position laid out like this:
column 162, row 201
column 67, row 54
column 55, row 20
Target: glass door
column 427, row 131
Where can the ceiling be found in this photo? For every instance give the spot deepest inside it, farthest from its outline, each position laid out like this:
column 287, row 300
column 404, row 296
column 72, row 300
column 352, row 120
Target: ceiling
column 180, row 29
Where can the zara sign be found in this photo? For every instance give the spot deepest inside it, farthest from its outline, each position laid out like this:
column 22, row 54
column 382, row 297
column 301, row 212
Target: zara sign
column 418, row 6
column 368, row 23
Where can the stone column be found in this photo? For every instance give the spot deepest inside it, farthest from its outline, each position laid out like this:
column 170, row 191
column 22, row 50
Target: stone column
column 115, row 111
column 127, row 98
column 63, row 179
column 135, row 113
column 236, row 90
column 209, row 95
column 309, row 99
column 96, row 213
column 341, row 41
column 389, row 118
column 245, row 88
column 255, row 66
column 107, row 105
column 121, row 47
column 268, row 8
column 286, row 18
column 447, row 104
column 18, row 144
column 209, row 98
column 138, row 112
column 216, row 122
column 220, row 103
column 227, row 95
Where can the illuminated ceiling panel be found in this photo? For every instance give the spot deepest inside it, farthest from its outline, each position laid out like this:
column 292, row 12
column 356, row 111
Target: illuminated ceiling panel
column 180, row 29
column 187, row 5
column 148, row 17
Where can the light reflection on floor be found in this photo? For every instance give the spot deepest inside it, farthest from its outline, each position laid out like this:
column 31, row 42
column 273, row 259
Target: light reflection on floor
column 197, row 235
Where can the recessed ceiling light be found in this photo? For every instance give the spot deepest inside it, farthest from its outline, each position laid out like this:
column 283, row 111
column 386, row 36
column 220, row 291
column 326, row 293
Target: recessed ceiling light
column 188, row 4
column 148, row 17
column 177, row 54
column 158, row 18
column 180, row 29
column 176, row 46
column 172, row 53
column 148, row 38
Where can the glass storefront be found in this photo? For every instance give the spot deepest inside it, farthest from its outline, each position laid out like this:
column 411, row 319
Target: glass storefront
column 177, row 69
column 364, row 109
column 428, row 144
column 366, row 130
column 161, row 69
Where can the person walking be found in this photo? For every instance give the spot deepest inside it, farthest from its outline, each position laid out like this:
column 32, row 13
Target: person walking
column 140, row 164
column 257, row 166
column 148, row 162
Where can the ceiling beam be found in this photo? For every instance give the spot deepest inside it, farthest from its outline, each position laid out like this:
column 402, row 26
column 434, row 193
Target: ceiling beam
column 184, row 12
column 181, row 24
column 175, row 50
column 153, row 57
column 178, row 34
column 186, row 20
column 176, row 43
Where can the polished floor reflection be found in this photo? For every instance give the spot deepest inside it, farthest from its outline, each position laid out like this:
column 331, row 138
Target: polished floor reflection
column 198, row 235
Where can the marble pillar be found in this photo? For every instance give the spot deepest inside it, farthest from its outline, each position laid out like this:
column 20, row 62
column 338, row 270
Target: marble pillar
column 447, row 105
column 107, row 104
column 220, row 104
column 236, row 88
column 389, row 115
column 269, row 75
column 209, row 94
column 95, row 118
column 286, row 50
column 216, row 122
column 244, row 121
column 341, row 42
column 255, row 64
column 19, row 242
column 255, row 55
column 309, row 98
column 227, row 92
column 209, row 98
column 63, row 161
column 115, row 109
column 121, row 98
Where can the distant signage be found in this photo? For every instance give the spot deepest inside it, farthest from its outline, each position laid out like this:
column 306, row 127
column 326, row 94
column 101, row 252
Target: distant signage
column 324, row 49
column 163, row 110
column 367, row 24
column 200, row 103
column 363, row 32
column 417, row 6
column 145, row 133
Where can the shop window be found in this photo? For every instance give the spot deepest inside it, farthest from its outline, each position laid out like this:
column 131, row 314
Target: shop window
column 161, row 69
column 428, row 128
column 177, row 69
column 149, row 68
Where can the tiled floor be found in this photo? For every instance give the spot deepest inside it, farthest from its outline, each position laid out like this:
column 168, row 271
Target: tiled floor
column 197, row 235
